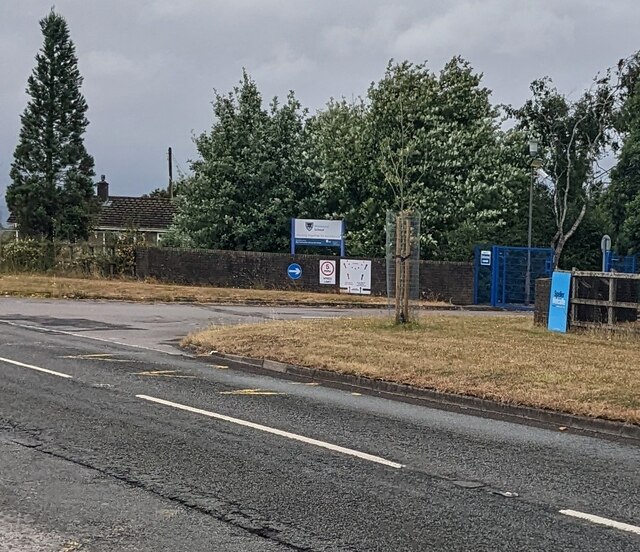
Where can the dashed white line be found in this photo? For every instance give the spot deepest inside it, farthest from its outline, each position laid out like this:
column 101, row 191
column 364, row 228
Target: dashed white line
column 37, row 368
column 602, row 521
column 266, row 429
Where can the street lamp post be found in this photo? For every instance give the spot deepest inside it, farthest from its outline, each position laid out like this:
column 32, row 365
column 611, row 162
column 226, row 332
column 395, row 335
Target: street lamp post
column 535, row 165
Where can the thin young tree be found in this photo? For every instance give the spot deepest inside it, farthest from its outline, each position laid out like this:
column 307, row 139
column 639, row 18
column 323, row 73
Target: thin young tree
column 51, row 194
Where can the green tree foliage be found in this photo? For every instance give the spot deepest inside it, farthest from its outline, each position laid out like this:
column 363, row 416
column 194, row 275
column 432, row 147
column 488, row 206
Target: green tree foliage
column 163, row 193
column 575, row 136
column 583, row 250
column 343, row 174
column 422, row 141
column 622, row 200
column 629, row 240
column 250, row 178
column 51, row 193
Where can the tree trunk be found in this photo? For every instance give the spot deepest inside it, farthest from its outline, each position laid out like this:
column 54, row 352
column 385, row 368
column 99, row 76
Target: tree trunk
column 560, row 239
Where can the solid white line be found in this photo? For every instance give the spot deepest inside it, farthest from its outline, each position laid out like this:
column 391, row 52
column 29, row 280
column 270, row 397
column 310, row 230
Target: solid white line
column 602, row 521
column 16, row 363
column 294, row 436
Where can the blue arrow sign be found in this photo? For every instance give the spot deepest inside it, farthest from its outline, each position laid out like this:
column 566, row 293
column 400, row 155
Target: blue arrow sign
column 294, row 271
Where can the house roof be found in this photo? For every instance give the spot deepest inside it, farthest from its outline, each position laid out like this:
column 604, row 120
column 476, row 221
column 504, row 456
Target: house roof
column 143, row 213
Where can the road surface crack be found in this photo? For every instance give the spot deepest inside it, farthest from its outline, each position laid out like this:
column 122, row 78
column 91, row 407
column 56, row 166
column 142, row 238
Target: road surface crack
column 224, row 511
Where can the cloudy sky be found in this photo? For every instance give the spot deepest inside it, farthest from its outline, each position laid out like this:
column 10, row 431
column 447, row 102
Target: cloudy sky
column 150, row 66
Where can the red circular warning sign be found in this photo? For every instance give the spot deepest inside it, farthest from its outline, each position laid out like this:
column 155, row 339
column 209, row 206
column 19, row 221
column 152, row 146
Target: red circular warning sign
column 328, row 268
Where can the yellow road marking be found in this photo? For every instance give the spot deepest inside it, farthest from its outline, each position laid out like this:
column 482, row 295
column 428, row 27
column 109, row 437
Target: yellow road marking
column 88, row 357
column 357, row 394
column 104, row 357
column 250, row 392
column 72, row 546
column 219, row 366
column 162, row 374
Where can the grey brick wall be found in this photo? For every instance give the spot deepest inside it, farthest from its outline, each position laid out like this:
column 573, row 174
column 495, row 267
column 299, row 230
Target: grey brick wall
column 452, row 282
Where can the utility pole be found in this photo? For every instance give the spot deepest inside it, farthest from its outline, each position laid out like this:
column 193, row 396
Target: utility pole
column 527, row 279
column 170, row 158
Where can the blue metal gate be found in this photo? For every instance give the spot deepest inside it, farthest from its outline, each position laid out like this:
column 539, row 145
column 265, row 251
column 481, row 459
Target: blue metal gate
column 500, row 275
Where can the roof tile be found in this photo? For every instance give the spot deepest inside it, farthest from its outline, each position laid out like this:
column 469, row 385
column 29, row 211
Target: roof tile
column 140, row 212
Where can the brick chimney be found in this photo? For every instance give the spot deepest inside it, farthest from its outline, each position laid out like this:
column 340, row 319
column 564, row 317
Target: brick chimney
column 103, row 189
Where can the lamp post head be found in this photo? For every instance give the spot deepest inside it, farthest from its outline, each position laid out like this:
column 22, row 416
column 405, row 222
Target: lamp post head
column 533, row 147
column 537, row 164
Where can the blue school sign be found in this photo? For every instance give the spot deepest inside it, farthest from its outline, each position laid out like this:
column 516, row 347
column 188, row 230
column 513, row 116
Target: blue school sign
column 559, row 302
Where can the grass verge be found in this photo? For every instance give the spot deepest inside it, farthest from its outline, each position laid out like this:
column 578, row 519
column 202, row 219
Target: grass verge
column 505, row 359
column 26, row 285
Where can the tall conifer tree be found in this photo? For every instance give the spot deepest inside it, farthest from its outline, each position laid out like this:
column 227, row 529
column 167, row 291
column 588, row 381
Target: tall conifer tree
column 51, row 194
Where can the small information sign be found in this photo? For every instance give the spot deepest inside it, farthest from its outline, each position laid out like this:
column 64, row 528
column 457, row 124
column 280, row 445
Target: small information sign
column 328, row 272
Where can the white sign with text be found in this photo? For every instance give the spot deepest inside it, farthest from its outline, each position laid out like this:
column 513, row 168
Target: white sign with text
column 307, row 229
column 355, row 277
column 328, row 272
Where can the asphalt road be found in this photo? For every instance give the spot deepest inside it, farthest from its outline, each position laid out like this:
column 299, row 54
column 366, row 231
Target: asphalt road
column 111, row 439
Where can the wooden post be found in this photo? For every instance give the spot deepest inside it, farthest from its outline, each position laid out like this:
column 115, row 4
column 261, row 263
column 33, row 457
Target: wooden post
column 612, row 297
column 406, row 257
column 398, row 266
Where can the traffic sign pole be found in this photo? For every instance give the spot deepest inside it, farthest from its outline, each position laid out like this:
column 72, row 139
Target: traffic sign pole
column 605, row 247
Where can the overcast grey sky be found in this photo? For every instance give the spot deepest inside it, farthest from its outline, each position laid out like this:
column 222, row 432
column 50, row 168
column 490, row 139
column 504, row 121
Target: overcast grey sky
column 150, row 66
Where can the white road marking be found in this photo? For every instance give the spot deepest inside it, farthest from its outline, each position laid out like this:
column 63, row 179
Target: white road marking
column 266, row 429
column 22, row 365
column 602, row 521
column 94, row 338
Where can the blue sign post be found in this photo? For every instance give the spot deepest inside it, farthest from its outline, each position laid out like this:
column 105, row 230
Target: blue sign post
column 559, row 302
column 294, row 271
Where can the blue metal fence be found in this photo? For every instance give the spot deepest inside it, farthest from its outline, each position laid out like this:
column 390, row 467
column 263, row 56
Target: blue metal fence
column 500, row 274
column 620, row 263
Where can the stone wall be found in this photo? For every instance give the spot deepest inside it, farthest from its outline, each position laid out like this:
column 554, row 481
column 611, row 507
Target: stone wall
column 451, row 282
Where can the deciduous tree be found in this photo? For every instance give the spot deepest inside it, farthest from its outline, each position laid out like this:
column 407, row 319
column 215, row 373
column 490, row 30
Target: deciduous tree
column 250, row 177
column 575, row 136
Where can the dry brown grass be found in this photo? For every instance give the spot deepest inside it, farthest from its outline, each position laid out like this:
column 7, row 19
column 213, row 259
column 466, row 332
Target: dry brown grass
column 505, row 359
column 25, row 285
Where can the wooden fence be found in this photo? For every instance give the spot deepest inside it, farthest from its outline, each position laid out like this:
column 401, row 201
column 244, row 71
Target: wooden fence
column 605, row 299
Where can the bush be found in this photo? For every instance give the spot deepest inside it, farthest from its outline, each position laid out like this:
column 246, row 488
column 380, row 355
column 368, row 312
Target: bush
column 83, row 260
column 123, row 246
column 26, row 256
column 116, row 258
